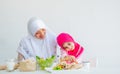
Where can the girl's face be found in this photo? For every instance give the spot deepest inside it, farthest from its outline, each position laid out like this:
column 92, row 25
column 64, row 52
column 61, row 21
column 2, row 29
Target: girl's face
column 68, row 46
column 40, row 34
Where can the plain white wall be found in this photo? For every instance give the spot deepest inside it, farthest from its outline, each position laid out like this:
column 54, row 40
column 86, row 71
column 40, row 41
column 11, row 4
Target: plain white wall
column 95, row 24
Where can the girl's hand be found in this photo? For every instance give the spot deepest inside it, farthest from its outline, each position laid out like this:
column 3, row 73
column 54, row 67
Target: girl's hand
column 69, row 59
column 72, row 59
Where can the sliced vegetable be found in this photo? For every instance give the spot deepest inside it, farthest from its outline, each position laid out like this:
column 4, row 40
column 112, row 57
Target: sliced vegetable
column 57, row 67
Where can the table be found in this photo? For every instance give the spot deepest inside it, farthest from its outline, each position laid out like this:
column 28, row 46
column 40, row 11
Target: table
column 47, row 72
column 93, row 71
column 18, row 72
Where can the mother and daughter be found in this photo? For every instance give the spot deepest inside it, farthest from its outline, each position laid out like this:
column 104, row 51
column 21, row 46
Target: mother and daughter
column 42, row 42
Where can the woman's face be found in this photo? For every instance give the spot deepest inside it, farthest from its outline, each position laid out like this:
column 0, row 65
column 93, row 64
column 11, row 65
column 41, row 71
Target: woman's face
column 68, row 46
column 40, row 34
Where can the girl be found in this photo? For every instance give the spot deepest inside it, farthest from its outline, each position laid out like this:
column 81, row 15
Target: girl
column 68, row 46
column 39, row 42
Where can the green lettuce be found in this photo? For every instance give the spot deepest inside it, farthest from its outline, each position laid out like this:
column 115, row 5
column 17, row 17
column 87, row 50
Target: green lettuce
column 43, row 63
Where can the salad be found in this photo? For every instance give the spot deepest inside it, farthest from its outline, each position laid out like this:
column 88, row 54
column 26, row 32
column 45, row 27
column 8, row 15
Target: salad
column 43, row 63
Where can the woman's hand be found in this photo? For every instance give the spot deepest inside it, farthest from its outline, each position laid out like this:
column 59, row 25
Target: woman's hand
column 20, row 57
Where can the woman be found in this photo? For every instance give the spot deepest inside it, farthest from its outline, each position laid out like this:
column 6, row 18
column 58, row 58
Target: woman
column 39, row 42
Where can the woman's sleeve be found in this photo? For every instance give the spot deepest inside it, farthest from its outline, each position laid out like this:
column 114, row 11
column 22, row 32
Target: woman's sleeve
column 21, row 49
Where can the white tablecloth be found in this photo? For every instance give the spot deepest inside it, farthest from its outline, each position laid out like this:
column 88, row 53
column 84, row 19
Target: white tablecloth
column 93, row 71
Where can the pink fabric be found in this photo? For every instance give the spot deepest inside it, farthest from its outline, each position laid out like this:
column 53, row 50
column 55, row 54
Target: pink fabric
column 65, row 37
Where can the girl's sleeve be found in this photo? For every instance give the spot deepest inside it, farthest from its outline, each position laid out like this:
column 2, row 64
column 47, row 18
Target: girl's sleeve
column 63, row 53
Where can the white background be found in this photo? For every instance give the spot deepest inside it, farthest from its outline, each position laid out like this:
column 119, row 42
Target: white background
column 95, row 24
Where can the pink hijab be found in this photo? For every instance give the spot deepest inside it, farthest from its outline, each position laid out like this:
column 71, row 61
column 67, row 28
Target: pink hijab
column 65, row 37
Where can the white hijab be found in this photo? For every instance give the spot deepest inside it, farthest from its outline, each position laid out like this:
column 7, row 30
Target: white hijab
column 30, row 46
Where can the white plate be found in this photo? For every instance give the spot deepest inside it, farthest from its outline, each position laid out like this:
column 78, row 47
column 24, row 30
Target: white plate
column 50, row 69
column 76, row 71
